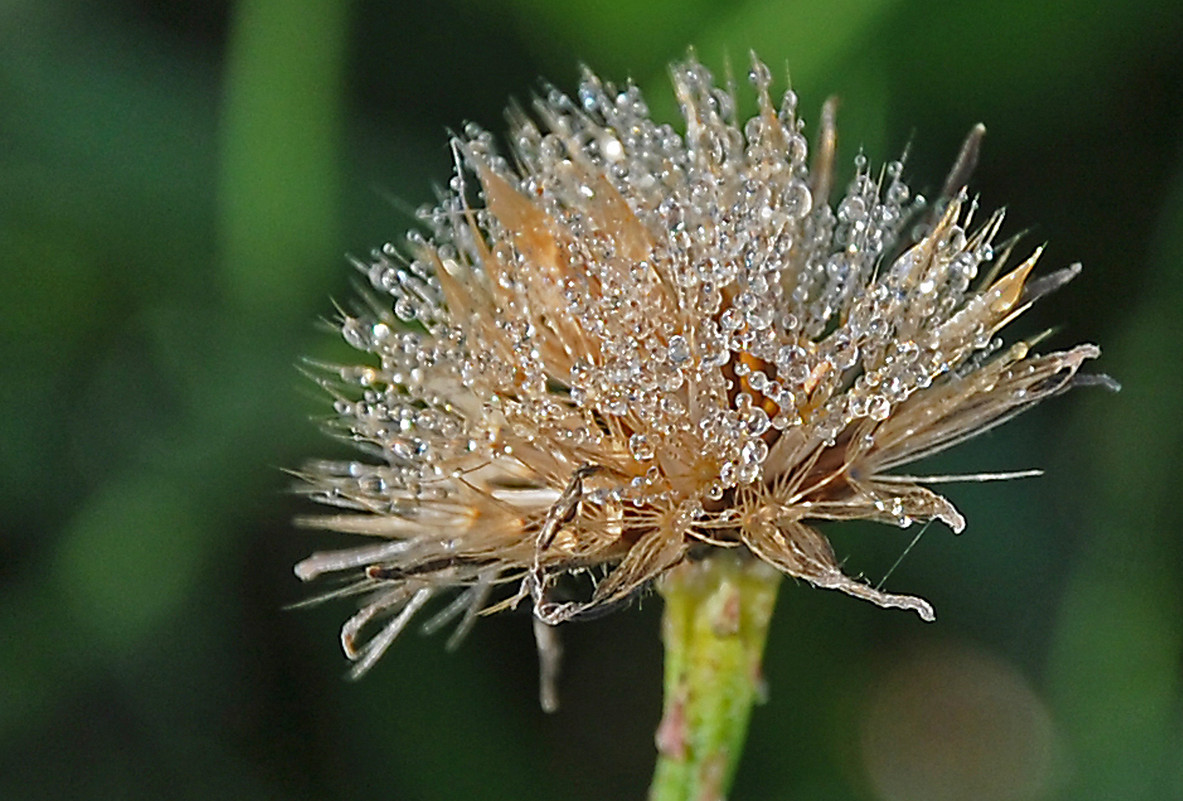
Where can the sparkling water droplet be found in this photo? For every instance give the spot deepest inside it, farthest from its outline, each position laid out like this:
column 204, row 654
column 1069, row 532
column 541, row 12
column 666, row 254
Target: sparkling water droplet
column 404, row 310
column 641, row 447
column 760, row 75
column 754, row 451
column 796, row 201
column 355, row 333
column 728, row 473
column 679, row 350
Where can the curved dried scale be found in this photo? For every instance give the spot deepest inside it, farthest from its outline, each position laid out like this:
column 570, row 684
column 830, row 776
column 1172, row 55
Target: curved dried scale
column 621, row 345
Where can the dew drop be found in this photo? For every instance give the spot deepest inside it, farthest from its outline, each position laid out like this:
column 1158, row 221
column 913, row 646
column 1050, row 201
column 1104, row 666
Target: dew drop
column 796, row 201
column 679, row 350
column 641, row 447
column 355, row 333
column 879, row 408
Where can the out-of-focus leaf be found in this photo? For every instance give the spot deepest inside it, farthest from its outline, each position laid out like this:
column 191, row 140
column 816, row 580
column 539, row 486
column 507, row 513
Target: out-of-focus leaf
column 281, row 140
column 1115, row 668
column 1011, row 57
column 618, row 37
column 132, row 555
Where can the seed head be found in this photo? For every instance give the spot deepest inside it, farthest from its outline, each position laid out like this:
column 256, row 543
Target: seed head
column 621, row 346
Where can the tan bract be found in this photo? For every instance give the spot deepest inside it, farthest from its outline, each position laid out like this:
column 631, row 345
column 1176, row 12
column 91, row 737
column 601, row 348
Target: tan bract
column 623, row 344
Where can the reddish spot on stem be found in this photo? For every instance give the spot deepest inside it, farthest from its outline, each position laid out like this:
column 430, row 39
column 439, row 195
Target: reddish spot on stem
column 726, row 622
column 671, row 733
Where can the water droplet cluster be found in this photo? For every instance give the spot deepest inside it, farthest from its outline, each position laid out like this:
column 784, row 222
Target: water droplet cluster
column 617, row 339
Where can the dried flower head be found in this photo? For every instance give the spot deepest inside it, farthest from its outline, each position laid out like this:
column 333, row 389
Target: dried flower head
column 621, row 345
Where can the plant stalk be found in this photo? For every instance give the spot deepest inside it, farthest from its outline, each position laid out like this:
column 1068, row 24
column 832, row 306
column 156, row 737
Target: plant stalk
column 714, row 627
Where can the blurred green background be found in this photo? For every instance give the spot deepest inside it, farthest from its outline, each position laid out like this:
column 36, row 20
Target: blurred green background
column 179, row 183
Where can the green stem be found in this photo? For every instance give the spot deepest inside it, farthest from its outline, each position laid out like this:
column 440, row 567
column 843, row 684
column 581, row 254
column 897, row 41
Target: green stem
column 714, row 627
